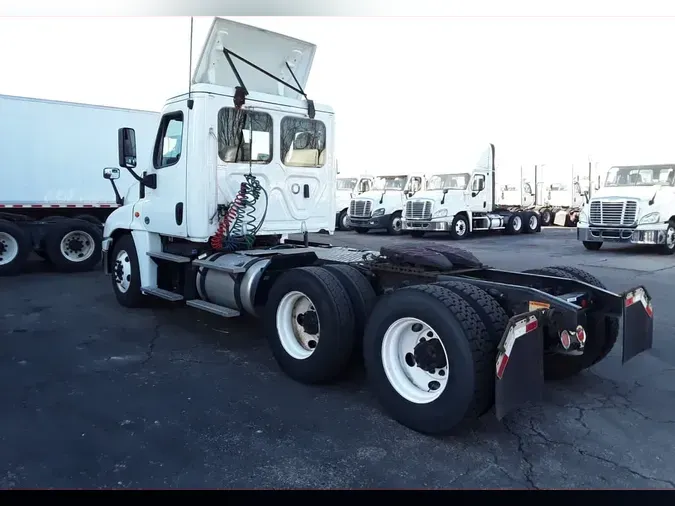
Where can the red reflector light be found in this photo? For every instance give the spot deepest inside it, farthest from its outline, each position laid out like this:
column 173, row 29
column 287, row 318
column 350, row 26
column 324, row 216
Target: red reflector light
column 649, row 310
column 629, row 301
column 531, row 326
column 584, row 303
column 581, row 334
column 565, row 339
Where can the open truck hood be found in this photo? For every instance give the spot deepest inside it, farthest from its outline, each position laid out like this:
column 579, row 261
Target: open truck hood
column 267, row 50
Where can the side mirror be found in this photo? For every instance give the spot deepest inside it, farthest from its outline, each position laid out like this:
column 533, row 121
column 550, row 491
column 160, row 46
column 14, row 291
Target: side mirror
column 111, row 173
column 126, row 147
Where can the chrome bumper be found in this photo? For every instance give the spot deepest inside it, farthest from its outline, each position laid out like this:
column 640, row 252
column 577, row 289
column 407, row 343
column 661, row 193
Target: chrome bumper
column 622, row 235
column 426, row 226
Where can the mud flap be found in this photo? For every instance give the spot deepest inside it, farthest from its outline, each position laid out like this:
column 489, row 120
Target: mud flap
column 519, row 376
column 638, row 323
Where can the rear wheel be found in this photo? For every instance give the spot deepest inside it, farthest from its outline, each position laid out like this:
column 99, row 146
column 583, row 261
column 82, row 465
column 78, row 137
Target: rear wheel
column 558, row 366
column 15, row 247
column 514, row 225
column 310, row 324
column 592, row 245
column 546, row 217
column 428, row 357
column 532, row 224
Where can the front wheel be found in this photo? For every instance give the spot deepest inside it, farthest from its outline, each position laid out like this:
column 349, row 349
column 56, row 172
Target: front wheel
column 343, row 223
column 546, row 217
column 460, row 227
column 395, row 224
column 125, row 274
column 669, row 247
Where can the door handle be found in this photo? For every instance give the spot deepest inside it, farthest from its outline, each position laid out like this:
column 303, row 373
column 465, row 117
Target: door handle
column 305, row 191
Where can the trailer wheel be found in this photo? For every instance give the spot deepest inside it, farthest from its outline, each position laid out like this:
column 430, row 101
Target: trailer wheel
column 73, row 245
column 89, row 218
column 460, row 227
column 546, row 217
column 429, row 358
column 514, row 225
column 592, row 245
column 532, row 223
column 559, row 367
column 395, row 226
column 360, row 292
column 15, row 247
column 310, row 324
column 361, row 230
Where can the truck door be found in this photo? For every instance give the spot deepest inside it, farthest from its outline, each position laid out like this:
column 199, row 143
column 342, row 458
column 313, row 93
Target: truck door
column 164, row 208
column 477, row 195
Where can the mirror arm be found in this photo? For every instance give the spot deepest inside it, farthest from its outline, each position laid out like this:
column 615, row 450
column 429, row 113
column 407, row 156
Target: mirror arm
column 118, row 198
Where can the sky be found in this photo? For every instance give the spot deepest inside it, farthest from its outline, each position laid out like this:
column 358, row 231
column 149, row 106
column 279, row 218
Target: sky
column 410, row 94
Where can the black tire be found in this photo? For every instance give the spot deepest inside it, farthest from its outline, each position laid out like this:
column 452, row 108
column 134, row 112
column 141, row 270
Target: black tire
column 361, row 230
column 470, row 387
column 532, row 223
column 331, row 302
column 546, row 218
column 515, row 224
column 361, row 294
column 666, row 249
column 342, row 221
column 56, row 234
column 592, row 245
column 491, row 313
column 460, row 227
column 55, row 218
column 90, row 219
column 395, row 226
column 417, row 234
column 13, row 239
column 559, row 367
column 132, row 298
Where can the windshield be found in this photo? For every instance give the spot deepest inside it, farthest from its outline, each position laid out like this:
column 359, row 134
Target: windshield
column 346, row 183
column 390, row 182
column 449, row 181
column 643, row 175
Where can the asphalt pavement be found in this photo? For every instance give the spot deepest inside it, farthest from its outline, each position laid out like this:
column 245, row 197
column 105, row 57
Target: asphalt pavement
column 95, row 395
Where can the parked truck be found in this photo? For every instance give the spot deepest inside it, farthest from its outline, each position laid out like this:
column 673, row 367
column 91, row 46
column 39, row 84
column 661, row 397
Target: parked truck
column 443, row 336
column 461, row 204
column 382, row 206
column 52, row 198
column 636, row 205
column 345, row 190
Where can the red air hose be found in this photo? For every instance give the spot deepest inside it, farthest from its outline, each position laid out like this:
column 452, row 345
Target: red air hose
column 224, row 225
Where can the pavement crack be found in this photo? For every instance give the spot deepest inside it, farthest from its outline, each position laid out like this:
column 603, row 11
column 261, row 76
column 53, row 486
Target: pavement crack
column 625, row 468
column 151, row 344
column 521, row 449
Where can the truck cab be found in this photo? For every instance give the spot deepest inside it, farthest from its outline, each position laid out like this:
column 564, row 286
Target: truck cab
column 512, row 195
column 636, row 205
column 382, row 206
column 347, row 188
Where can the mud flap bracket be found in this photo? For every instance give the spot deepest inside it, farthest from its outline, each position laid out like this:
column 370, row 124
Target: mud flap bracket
column 519, row 374
column 638, row 323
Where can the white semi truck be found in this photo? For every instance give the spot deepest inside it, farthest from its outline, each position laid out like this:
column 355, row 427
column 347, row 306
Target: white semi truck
column 443, row 337
column 463, row 203
column 636, row 205
column 52, row 198
column 382, row 206
column 347, row 188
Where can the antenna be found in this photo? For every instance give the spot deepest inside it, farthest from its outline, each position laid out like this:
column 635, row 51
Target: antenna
column 190, row 102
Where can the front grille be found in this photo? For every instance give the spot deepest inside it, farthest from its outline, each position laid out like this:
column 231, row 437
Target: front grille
column 360, row 208
column 418, row 210
column 613, row 212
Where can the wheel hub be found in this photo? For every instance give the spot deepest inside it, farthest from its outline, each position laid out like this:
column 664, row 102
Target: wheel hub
column 118, row 271
column 429, row 355
column 75, row 245
column 3, row 248
column 309, row 321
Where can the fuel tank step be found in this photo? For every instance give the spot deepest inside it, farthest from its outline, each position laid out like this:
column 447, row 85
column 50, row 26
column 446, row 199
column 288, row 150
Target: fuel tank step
column 223, row 311
column 162, row 294
column 162, row 255
column 222, row 268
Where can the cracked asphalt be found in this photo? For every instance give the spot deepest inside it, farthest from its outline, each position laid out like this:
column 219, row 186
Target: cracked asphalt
column 95, row 395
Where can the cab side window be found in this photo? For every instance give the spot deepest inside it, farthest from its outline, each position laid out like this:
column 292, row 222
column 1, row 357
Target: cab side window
column 303, row 142
column 478, row 183
column 244, row 136
column 169, row 142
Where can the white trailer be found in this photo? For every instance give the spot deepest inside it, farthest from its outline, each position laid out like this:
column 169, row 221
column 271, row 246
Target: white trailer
column 346, row 189
column 52, row 198
column 244, row 158
column 382, row 206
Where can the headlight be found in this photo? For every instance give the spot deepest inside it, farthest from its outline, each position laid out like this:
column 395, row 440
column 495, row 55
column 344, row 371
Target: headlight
column 441, row 213
column 378, row 212
column 650, row 218
column 583, row 218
